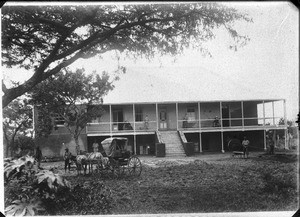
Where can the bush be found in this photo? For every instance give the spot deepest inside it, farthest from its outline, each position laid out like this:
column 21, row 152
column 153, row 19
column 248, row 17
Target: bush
column 88, row 198
column 30, row 191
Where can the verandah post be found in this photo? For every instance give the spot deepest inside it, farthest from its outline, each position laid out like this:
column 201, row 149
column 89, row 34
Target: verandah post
column 199, row 119
column 133, row 116
column 110, row 124
column 134, row 143
column 156, row 107
column 285, row 125
column 265, row 142
column 200, row 142
column 177, row 116
column 222, row 139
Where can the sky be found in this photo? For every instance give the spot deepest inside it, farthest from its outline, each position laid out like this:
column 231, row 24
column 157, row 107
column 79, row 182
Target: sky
column 269, row 62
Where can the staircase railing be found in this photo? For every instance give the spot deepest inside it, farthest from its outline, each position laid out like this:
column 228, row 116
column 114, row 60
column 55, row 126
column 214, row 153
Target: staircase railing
column 188, row 147
column 158, row 137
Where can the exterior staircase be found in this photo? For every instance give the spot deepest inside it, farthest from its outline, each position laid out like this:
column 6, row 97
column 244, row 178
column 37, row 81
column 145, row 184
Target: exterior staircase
column 173, row 144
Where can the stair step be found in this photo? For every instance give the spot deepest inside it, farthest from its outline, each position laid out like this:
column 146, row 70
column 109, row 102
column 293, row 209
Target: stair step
column 173, row 144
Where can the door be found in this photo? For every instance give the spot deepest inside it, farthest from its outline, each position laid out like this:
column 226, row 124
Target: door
column 117, row 120
column 163, row 119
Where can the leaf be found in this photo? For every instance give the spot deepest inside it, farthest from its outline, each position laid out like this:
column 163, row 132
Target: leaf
column 17, row 165
column 53, row 180
column 22, row 208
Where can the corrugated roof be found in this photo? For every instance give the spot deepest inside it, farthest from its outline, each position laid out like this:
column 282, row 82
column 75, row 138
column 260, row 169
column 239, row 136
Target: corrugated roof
column 181, row 84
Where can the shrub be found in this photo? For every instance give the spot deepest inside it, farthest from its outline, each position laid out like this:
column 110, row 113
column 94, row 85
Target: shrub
column 30, row 191
column 88, row 198
column 27, row 187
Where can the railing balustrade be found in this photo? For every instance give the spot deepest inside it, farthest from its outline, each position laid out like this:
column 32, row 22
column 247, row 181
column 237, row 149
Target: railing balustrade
column 210, row 123
column 188, row 124
column 145, row 126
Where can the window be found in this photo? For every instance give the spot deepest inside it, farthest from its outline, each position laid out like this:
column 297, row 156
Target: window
column 58, row 120
column 138, row 114
column 191, row 114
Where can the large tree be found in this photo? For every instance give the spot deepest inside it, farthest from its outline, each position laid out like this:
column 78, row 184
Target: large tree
column 73, row 97
column 46, row 39
column 17, row 121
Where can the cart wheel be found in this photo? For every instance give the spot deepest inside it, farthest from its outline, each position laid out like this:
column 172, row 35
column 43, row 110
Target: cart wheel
column 134, row 166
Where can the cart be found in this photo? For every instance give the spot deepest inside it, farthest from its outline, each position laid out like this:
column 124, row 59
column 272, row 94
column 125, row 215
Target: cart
column 236, row 147
column 117, row 160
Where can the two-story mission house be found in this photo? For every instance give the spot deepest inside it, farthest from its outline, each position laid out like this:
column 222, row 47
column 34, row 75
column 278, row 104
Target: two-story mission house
column 174, row 105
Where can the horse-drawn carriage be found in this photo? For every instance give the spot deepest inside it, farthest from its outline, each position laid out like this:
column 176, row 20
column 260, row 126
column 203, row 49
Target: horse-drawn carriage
column 114, row 160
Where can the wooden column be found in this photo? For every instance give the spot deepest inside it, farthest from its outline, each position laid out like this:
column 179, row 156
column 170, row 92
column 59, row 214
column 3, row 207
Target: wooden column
column 134, row 143
column 133, row 116
column 199, row 118
column 265, row 142
column 177, row 116
column 264, row 116
column 222, row 139
column 156, row 106
column 273, row 113
column 221, row 122
column 110, row 123
column 243, row 121
column 285, row 126
column 200, row 142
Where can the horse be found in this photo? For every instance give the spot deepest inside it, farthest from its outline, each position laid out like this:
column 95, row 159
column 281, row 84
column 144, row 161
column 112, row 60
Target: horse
column 81, row 163
column 96, row 156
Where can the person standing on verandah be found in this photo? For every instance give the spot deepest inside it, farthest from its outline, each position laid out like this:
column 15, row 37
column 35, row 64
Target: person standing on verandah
column 146, row 122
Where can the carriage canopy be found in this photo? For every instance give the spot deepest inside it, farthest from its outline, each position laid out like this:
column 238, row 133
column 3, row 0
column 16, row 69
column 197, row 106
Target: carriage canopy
column 114, row 145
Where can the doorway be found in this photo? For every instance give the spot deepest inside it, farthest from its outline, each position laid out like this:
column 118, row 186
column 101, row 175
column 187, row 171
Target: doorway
column 163, row 119
column 118, row 120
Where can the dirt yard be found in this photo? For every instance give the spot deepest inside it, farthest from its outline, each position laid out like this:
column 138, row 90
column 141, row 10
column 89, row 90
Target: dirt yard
column 202, row 183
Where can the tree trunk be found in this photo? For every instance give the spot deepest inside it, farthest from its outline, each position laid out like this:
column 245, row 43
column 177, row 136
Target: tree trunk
column 77, row 145
column 11, row 144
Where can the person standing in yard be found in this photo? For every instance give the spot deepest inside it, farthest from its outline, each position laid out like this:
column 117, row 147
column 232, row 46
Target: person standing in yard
column 67, row 158
column 245, row 144
column 38, row 156
column 95, row 146
column 271, row 145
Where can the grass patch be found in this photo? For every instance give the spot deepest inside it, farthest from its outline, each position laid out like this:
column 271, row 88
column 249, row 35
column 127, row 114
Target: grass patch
column 232, row 185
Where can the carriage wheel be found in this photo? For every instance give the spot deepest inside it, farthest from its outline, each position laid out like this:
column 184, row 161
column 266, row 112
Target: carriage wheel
column 134, row 166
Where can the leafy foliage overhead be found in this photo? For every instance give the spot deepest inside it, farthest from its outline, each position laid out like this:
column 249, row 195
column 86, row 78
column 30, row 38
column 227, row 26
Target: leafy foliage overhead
column 74, row 97
column 17, row 121
column 49, row 38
